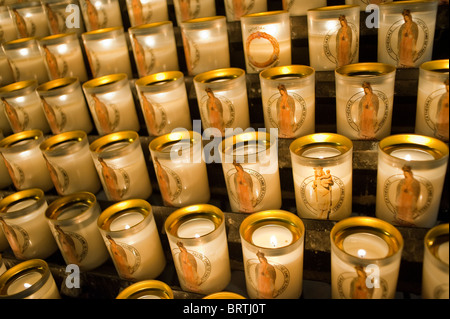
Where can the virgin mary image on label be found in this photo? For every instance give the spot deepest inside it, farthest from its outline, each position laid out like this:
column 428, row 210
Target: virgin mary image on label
column 407, row 41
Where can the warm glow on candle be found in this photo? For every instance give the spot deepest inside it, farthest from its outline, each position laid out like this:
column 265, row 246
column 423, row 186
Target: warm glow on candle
column 408, row 157
column 106, row 42
column 23, row 52
column 273, row 241
column 62, row 49
column 361, row 253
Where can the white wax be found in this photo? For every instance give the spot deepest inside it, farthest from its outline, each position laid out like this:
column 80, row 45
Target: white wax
column 195, row 228
column 272, row 236
column 412, row 155
column 37, row 24
column 70, row 62
column 321, row 152
column 365, row 246
column 126, row 221
column 21, row 205
column 30, row 68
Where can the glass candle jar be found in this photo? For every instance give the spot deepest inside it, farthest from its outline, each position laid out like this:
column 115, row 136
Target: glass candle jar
column 24, row 160
column 147, row 289
column 222, row 100
column 63, row 56
column 365, row 3
column 111, row 103
column 26, row 60
column 180, row 169
column 323, row 173
column 131, row 236
column 432, row 100
column 7, row 26
column 70, row 163
column 205, row 43
column 31, row 279
column 2, row 266
column 61, row 16
column 6, row 73
column 406, row 32
column 73, row 223
column 164, row 102
column 301, row 7
column 64, row 105
column 250, row 168
column 5, row 179
column 288, row 99
column 272, row 249
column 236, row 9
column 23, row 107
column 22, row 217
column 193, row 9
column 147, row 11
column 120, row 163
column 435, row 263
column 198, row 242
column 364, row 100
column 101, row 14
column 30, row 19
column 107, row 51
column 154, row 47
column 333, row 36
column 365, row 259
column 410, row 179
column 266, row 39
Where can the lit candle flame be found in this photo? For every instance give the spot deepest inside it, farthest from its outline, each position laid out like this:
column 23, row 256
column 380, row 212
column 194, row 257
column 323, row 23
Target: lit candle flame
column 27, row 285
column 127, row 226
column 361, row 253
column 408, row 157
column 196, row 235
column 273, row 241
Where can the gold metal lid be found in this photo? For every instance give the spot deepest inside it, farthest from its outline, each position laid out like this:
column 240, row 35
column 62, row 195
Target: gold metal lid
column 114, row 144
column 106, row 83
column 7, row 204
column 287, row 72
column 64, row 143
column 71, row 208
column 224, row 295
column 438, row 66
column 20, row 43
column 58, row 86
column 219, row 75
column 144, row 289
column 365, row 69
column 18, row 88
column 21, row 141
column 19, row 270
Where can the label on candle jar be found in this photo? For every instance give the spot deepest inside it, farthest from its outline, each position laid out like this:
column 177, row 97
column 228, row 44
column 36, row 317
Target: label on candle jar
column 261, row 41
column 74, row 247
column 239, row 8
column 247, row 187
column 155, row 115
column 436, row 112
column 127, row 259
column 322, row 193
column 361, row 284
column 407, row 40
column 286, row 111
column 55, row 116
column 15, row 172
column 56, row 65
column 56, row 19
column 189, row 9
column 17, row 237
column 407, row 196
column 17, row 116
column 108, row 116
column 145, row 58
column 97, row 17
column 367, row 111
column 116, row 180
column 194, row 267
column 169, row 182
column 268, row 279
column 59, row 176
column 216, row 111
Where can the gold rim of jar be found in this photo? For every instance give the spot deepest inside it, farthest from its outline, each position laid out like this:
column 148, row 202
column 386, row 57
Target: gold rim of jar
column 334, row 8
column 59, row 205
column 122, row 208
column 366, row 224
column 102, row 144
column 18, row 88
column 106, row 83
column 265, row 14
column 100, row 33
column 224, row 295
column 161, row 144
column 154, row 25
column 373, row 69
column 287, row 73
column 145, row 288
column 10, row 142
column 9, row 201
column 234, row 141
column 182, row 215
column 58, row 38
column 159, row 81
column 33, row 265
column 436, row 66
column 272, row 217
column 196, row 21
column 219, row 75
column 336, row 141
column 58, row 86
column 62, row 144
column 434, row 237
column 21, row 43
column 433, row 146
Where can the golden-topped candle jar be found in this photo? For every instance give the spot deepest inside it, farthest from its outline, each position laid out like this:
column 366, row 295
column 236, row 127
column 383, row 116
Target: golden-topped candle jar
column 364, row 100
column 121, row 165
column 272, row 248
column 31, row 279
column 65, row 106
column 266, row 40
column 193, row 9
column 365, row 258
column 70, row 163
column 22, row 217
column 131, row 236
column 5, row 179
column 180, row 169
column 73, row 222
column 147, row 11
column 164, row 102
column 147, row 289
column 288, row 99
column 7, row 26
column 333, row 36
column 111, row 103
column 406, row 32
column 322, row 168
column 154, row 48
column 7, row 75
column 30, row 19
column 101, row 14
column 432, row 116
column 61, row 16
column 222, row 100
column 24, row 160
column 236, row 9
column 198, row 242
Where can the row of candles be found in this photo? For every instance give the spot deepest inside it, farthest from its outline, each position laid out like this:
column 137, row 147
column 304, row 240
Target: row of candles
column 365, row 251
